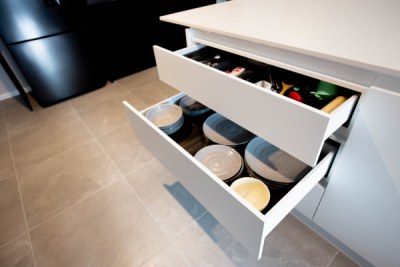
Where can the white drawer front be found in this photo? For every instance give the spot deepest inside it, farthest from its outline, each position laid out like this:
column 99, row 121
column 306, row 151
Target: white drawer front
column 298, row 129
column 248, row 225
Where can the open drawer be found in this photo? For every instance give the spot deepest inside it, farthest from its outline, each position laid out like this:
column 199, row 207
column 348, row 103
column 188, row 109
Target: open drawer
column 247, row 224
column 294, row 127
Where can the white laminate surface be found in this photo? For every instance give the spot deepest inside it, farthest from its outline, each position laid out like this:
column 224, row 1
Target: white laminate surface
column 356, row 32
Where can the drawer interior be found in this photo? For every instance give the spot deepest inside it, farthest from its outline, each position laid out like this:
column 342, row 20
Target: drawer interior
column 191, row 138
column 176, row 152
column 294, row 127
column 318, row 94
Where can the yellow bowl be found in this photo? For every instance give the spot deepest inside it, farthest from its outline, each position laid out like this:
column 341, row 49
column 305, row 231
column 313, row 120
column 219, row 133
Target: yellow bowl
column 253, row 191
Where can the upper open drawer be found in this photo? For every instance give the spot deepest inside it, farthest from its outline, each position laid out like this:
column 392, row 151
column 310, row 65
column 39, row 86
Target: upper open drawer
column 294, row 127
column 246, row 223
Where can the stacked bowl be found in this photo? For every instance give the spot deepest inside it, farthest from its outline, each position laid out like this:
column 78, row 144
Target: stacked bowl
column 166, row 116
column 192, row 107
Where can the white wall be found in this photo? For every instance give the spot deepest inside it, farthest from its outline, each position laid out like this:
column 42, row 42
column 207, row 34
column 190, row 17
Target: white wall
column 7, row 88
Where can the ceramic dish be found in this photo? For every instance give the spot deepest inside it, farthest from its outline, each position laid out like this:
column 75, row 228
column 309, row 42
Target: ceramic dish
column 192, row 107
column 224, row 161
column 166, row 116
column 269, row 162
column 223, row 131
column 253, row 190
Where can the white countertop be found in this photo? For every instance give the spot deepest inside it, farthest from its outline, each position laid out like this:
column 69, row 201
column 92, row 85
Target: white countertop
column 362, row 33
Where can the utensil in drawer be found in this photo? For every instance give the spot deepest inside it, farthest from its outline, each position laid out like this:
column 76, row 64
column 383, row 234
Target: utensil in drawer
column 285, row 87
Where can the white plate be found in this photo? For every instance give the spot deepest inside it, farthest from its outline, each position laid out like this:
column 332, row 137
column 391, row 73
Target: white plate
column 273, row 164
column 223, row 131
column 223, row 161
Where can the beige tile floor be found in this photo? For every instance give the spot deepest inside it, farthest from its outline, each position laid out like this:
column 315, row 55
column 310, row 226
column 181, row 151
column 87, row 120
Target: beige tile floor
column 77, row 189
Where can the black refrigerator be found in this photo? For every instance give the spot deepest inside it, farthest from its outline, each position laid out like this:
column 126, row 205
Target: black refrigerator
column 65, row 48
column 51, row 44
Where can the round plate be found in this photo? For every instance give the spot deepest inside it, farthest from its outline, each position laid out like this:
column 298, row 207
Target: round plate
column 273, row 164
column 223, row 131
column 253, row 191
column 223, row 161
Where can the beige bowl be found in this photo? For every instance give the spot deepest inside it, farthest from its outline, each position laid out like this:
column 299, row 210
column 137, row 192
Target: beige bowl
column 253, row 191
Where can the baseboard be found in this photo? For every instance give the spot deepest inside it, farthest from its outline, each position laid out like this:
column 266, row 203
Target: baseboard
column 13, row 93
column 331, row 239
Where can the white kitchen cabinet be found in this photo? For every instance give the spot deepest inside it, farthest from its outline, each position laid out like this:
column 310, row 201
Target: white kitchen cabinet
column 299, row 39
column 361, row 206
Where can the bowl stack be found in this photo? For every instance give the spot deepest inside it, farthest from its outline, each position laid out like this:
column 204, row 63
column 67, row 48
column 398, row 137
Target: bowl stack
column 276, row 168
column 166, row 116
column 192, row 107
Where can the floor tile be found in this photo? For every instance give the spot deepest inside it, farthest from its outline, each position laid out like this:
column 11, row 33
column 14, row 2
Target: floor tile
column 172, row 205
column 48, row 140
column 109, row 114
column 12, row 221
column 20, row 118
column 17, row 253
column 6, row 161
column 342, row 260
column 153, row 92
column 55, row 184
column 110, row 90
column 3, row 128
column 201, row 248
column 290, row 244
column 168, row 257
column 124, row 149
column 111, row 228
column 17, row 102
column 136, row 80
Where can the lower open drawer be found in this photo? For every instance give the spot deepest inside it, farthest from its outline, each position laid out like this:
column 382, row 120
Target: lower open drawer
column 248, row 225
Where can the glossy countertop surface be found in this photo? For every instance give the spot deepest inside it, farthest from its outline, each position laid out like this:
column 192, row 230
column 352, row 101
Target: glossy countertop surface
column 360, row 33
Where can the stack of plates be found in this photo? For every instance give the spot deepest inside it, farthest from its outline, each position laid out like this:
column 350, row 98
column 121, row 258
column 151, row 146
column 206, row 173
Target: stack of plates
column 166, row 116
column 192, row 107
column 274, row 166
column 224, row 161
column 221, row 130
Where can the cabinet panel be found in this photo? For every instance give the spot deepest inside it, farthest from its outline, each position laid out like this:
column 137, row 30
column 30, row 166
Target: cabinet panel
column 298, row 129
column 361, row 204
column 309, row 204
column 247, row 224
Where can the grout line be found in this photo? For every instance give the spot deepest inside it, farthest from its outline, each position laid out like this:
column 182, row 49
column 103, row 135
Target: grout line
column 180, row 252
column 20, row 197
column 53, row 156
column 337, row 253
column 147, row 208
column 75, row 204
column 14, row 134
column 189, row 225
column 98, row 143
